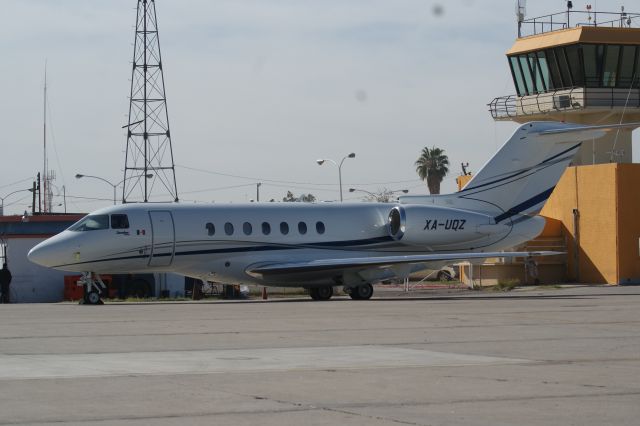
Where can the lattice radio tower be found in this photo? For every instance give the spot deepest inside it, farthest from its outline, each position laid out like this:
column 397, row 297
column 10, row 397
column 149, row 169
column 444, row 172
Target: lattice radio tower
column 149, row 172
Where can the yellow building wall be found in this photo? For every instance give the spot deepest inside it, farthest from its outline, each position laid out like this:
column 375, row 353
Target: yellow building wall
column 629, row 223
column 607, row 229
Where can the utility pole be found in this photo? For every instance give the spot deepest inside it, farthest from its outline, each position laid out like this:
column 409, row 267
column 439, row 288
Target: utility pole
column 149, row 151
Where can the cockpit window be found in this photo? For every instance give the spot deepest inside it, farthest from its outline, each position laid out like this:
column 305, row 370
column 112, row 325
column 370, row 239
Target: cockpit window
column 91, row 223
column 119, row 221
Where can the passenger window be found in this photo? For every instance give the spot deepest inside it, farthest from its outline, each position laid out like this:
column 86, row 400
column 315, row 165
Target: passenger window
column 247, row 228
column 284, row 228
column 119, row 221
column 91, row 223
column 302, row 228
column 320, row 227
column 266, row 228
column 228, row 228
column 211, row 229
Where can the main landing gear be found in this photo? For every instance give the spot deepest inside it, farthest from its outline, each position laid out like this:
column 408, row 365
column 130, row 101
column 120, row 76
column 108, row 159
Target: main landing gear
column 360, row 292
column 321, row 293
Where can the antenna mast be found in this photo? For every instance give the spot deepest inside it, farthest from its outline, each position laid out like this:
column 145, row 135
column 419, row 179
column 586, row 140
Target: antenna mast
column 149, row 172
column 521, row 12
column 47, row 175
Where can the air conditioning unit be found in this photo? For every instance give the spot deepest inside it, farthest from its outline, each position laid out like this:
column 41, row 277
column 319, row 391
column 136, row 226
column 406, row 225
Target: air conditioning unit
column 562, row 101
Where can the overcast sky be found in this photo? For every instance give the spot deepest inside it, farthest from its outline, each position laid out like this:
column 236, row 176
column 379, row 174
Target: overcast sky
column 258, row 89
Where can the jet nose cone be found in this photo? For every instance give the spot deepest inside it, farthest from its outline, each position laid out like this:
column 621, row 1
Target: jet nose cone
column 41, row 255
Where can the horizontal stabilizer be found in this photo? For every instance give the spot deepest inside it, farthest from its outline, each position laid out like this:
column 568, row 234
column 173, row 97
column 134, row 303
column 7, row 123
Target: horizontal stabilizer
column 324, row 265
column 578, row 133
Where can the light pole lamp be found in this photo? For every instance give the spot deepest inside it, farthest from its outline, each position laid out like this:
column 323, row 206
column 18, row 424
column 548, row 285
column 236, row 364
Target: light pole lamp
column 113, row 185
column 321, row 161
column 7, row 196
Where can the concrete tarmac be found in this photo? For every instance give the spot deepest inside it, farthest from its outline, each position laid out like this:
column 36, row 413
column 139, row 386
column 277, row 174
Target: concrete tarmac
column 529, row 357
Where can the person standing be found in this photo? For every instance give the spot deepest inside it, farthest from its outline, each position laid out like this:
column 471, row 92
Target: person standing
column 5, row 282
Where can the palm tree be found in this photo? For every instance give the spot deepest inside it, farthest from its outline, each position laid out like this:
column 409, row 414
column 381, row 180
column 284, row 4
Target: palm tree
column 432, row 165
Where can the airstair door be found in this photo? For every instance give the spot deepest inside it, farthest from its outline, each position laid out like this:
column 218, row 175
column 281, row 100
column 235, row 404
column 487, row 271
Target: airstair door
column 163, row 241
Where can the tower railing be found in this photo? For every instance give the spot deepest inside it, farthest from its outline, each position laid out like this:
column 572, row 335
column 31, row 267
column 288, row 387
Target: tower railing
column 568, row 19
column 575, row 98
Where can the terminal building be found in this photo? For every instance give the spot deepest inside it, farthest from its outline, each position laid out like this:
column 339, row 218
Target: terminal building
column 580, row 67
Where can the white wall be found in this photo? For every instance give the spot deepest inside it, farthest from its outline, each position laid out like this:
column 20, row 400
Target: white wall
column 31, row 282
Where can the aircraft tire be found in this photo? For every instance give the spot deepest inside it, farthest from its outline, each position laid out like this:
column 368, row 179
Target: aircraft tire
column 313, row 292
column 362, row 292
column 353, row 294
column 324, row 293
column 93, row 298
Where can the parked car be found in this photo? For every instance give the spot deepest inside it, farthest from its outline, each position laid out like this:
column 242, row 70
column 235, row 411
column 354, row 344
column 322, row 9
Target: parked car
column 447, row 273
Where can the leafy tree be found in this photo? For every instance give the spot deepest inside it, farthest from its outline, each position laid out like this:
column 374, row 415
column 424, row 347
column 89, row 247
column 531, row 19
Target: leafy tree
column 384, row 195
column 304, row 198
column 432, row 166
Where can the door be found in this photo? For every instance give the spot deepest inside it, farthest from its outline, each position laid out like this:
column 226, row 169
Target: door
column 162, row 238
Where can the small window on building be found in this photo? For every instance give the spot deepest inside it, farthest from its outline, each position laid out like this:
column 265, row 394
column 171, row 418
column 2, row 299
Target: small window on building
column 247, row 228
column 211, row 229
column 284, row 228
column 228, row 228
column 119, row 221
column 320, row 227
column 302, row 228
column 266, row 228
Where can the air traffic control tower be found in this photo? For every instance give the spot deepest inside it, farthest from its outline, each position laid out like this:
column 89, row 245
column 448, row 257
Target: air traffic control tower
column 581, row 67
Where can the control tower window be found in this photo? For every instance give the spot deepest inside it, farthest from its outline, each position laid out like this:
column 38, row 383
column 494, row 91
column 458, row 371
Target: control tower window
column 554, row 68
column 575, row 64
column 517, row 76
column 591, row 55
column 526, row 71
column 564, row 66
column 536, row 73
column 91, row 223
column 629, row 54
column 610, row 70
column 544, row 70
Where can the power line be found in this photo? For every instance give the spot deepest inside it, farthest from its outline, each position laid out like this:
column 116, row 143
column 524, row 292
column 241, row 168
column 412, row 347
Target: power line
column 259, row 179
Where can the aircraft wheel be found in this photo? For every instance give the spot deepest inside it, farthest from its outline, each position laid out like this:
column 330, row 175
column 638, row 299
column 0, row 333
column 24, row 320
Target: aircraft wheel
column 313, row 292
column 362, row 292
column 353, row 293
column 324, row 293
column 93, row 298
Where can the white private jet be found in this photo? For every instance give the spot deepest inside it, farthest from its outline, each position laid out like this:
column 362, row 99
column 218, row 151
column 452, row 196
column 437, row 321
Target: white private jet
column 319, row 246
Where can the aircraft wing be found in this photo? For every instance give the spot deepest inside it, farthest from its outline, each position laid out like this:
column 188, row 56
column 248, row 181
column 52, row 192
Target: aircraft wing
column 361, row 263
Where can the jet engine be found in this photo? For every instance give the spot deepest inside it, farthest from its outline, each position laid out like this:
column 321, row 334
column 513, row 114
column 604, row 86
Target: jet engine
column 439, row 226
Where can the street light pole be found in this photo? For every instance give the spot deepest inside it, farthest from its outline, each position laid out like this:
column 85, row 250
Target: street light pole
column 339, row 166
column 7, row 196
column 114, row 186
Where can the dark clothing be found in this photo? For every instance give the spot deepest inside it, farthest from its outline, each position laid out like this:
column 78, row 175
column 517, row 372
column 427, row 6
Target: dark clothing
column 5, row 281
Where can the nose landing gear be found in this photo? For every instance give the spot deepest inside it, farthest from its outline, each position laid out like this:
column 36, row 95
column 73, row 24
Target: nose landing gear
column 93, row 287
